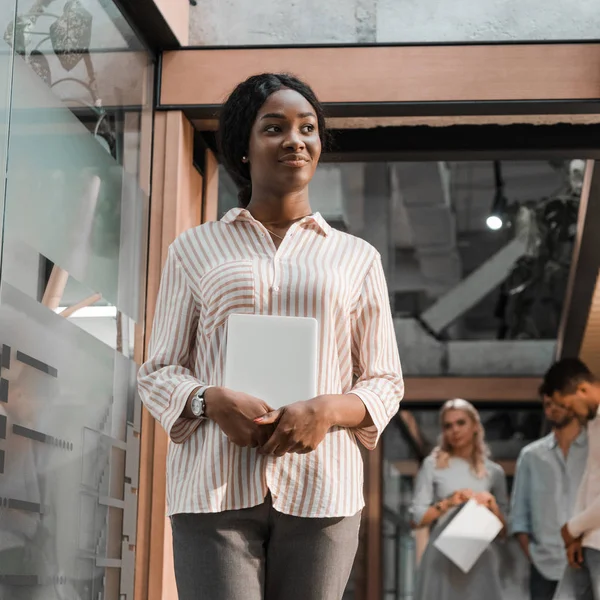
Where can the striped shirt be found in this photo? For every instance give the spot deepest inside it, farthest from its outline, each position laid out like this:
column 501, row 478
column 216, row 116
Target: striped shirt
column 232, row 266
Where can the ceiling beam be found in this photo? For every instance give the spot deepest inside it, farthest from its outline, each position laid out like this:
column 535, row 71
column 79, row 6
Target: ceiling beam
column 457, row 142
column 508, row 390
column 401, row 80
column 148, row 22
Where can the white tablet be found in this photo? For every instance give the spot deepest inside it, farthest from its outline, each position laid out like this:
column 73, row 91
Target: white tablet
column 273, row 358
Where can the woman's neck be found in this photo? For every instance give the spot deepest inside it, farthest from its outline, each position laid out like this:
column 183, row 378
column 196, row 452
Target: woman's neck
column 466, row 452
column 279, row 210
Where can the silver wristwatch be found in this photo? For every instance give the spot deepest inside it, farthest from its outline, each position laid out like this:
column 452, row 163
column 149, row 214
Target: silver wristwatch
column 198, row 405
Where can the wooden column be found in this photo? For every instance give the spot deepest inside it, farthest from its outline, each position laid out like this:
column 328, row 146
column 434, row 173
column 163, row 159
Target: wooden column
column 211, row 187
column 175, row 206
column 373, row 523
column 368, row 572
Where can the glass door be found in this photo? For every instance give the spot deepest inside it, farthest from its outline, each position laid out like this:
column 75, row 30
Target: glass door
column 71, row 298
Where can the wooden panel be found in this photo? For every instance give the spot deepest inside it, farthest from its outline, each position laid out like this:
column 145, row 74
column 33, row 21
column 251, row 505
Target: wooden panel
column 150, row 23
column 177, row 15
column 585, row 264
column 409, row 467
column 211, row 189
column 175, row 206
column 373, row 519
column 144, row 527
column 446, row 121
column 590, row 348
column 393, row 74
column 508, row 466
column 481, row 389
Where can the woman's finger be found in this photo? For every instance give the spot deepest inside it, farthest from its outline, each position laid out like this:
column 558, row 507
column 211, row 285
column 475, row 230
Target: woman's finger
column 278, row 442
column 269, row 418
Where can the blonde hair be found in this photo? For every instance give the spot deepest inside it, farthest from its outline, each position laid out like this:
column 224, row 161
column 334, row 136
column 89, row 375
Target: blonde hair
column 443, row 451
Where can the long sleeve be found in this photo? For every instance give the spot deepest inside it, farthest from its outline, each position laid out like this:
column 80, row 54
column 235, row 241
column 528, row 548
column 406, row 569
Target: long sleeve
column 165, row 380
column 588, row 518
column 499, row 489
column 379, row 382
column 586, row 515
column 520, row 512
column 423, row 497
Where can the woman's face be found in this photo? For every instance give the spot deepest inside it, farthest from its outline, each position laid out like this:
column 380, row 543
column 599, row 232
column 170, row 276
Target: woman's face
column 459, row 429
column 285, row 146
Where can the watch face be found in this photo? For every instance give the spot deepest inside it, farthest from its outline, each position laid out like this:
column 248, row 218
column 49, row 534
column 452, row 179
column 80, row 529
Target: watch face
column 196, row 406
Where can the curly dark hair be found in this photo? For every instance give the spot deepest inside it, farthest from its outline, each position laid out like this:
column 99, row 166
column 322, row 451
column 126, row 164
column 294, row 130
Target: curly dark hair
column 564, row 376
column 239, row 113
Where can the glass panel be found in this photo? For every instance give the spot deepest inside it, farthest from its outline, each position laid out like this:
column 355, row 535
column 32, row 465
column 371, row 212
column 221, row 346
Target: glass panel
column 7, row 13
column 477, row 255
column 507, row 432
column 89, row 201
column 467, row 300
column 71, row 302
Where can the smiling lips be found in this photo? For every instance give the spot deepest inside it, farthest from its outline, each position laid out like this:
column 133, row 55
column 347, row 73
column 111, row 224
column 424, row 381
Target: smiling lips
column 295, row 161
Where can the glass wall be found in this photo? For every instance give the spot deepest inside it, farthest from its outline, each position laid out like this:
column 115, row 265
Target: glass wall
column 477, row 256
column 508, row 430
column 7, row 11
column 76, row 107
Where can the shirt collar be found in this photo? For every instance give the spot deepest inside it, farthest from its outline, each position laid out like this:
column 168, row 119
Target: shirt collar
column 580, row 440
column 241, row 214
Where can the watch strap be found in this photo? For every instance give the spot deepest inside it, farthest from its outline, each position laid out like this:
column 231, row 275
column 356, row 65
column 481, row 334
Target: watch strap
column 198, row 399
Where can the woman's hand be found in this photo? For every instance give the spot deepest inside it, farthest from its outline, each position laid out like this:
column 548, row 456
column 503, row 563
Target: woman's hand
column 460, row 497
column 299, row 427
column 486, row 499
column 234, row 413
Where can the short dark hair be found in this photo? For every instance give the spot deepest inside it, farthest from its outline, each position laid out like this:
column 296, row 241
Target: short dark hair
column 239, row 113
column 564, row 376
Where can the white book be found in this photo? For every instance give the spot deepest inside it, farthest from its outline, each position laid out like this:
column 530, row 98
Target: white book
column 272, row 358
column 468, row 534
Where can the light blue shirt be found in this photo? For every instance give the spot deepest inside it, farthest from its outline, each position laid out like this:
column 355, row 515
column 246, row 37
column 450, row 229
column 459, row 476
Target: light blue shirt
column 543, row 499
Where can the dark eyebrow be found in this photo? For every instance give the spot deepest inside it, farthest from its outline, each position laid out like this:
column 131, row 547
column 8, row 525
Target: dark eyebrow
column 303, row 115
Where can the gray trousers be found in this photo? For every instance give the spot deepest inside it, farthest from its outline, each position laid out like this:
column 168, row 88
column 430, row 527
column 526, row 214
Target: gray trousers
column 583, row 583
column 260, row 554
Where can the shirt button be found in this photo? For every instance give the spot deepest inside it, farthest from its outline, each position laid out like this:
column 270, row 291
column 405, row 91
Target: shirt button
column 275, row 288
column 262, row 235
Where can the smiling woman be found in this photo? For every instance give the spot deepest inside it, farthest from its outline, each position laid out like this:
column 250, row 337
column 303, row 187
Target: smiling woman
column 266, row 504
column 279, row 106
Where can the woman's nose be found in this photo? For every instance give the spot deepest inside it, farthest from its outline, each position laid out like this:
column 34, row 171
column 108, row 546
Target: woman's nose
column 293, row 141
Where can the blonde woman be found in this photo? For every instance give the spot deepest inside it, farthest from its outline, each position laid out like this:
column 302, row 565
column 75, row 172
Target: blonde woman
column 458, row 469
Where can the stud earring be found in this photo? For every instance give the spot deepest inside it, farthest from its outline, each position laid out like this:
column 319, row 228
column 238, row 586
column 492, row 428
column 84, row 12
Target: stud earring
column 244, row 159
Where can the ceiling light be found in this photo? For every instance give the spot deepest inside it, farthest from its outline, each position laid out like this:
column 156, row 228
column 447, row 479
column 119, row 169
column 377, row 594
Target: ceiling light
column 495, row 219
column 494, row 222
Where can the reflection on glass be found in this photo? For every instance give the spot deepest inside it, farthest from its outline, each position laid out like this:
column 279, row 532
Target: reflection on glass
column 71, row 297
column 507, row 432
column 467, row 299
